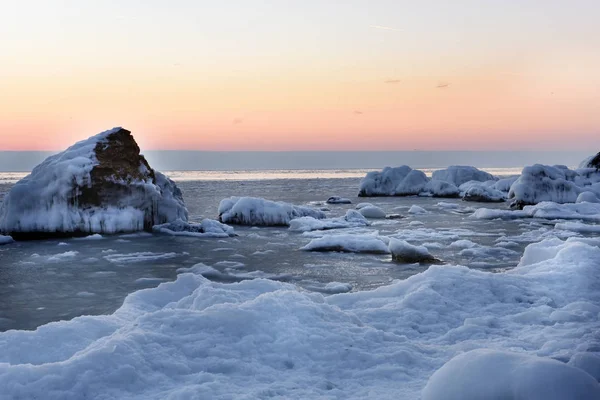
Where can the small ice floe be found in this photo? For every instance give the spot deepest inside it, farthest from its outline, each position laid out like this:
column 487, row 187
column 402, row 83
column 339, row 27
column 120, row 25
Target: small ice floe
column 330, row 288
column 578, row 227
column 416, row 210
column 363, row 205
column 67, row 255
column 138, row 257
column 348, row 243
column 373, row 212
column 5, row 239
column 261, row 212
column 85, row 294
column 352, row 219
column 338, row 200
column 404, row 252
column 206, row 228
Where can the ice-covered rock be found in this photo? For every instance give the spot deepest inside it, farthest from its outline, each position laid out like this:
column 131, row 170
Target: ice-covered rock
column 404, row 252
column 417, row 210
column 438, row 188
column 206, row 228
column 591, row 162
column 459, row 174
column 539, row 183
column 352, row 219
column 589, row 197
column 372, row 212
column 493, row 374
column 348, row 243
column 99, row 185
column 338, row 200
column 261, row 212
column 398, row 181
column 5, row 239
column 483, row 193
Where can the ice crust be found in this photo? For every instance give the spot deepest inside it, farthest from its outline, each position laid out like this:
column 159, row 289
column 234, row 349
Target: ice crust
column 262, row 212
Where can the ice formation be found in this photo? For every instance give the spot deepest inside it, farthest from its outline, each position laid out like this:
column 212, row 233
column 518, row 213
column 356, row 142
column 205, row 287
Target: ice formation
column 352, row 219
column 348, row 243
column 5, row 239
column 372, row 212
column 193, row 338
column 256, row 211
column 338, row 200
column 206, row 228
column 99, row 185
column 459, row 174
column 405, row 252
column 547, row 210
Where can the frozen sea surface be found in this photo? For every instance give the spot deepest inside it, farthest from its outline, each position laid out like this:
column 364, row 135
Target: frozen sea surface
column 51, row 280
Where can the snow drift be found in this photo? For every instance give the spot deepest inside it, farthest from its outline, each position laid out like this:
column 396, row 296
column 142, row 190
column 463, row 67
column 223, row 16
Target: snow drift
column 261, row 212
column 193, row 338
column 99, row 185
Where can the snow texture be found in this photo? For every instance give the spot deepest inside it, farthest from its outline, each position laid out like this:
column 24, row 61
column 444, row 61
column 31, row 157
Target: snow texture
column 352, row 219
column 405, row 252
column 459, row 174
column 193, row 338
column 206, row 228
column 46, row 199
column 348, row 243
column 502, row 375
column 260, row 212
column 372, row 212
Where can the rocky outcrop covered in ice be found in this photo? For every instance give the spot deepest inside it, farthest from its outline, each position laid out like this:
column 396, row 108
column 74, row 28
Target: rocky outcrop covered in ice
column 591, row 162
column 99, row 185
column 261, row 212
column 206, row 228
column 459, row 174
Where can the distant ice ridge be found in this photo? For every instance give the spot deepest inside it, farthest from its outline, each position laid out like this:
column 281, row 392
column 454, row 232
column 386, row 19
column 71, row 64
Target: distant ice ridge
column 262, row 212
column 194, row 338
column 98, row 185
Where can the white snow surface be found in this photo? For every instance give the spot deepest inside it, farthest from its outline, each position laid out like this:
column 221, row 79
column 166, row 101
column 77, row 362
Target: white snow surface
column 206, row 228
column 372, row 212
column 352, row 243
column 43, row 200
column 261, row 212
column 5, row 239
column 459, row 174
column 193, row 338
column 501, row 375
column 352, row 219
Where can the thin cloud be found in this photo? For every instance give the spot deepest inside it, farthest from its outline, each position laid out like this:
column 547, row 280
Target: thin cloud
column 357, row 112
column 393, row 81
column 442, row 85
column 385, row 28
column 237, row 121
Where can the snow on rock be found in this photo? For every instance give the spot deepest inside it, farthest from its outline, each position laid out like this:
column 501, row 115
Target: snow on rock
column 5, row 239
column 417, row 210
column 206, row 228
column 99, row 185
column 338, row 200
column 261, row 212
column 589, row 197
column 372, row 212
column 362, row 205
column 539, row 183
column 404, row 252
column 348, row 243
column 398, row 181
column 459, row 174
column 438, row 188
column 483, row 193
column 493, row 374
column 193, row 338
column 352, row 219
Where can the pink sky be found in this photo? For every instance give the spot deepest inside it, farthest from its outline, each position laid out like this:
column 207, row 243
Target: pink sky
column 303, row 78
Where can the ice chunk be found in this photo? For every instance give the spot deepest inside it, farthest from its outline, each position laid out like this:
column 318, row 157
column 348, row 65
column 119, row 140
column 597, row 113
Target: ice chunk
column 338, row 200
column 348, row 243
column 206, row 228
column 578, row 227
column 352, row 219
column 372, row 212
column 257, row 211
column 405, row 252
column 398, row 181
column 494, row 374
column 589, row 197
column 414, row 209
column 438, row 188
column 459, row 174
column 481, row 192
column 539, row 183
column 589, row 362
column 5, row 239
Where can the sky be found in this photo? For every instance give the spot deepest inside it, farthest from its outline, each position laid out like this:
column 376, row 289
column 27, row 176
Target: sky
column 302, row 75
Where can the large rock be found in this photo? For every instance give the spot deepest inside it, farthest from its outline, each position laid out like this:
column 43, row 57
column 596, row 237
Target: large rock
column 99, row 185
